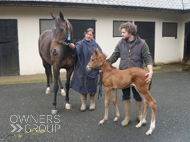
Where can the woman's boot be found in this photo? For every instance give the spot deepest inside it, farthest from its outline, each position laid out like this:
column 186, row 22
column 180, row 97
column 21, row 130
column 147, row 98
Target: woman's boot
column 92, row 102
column 83, row 102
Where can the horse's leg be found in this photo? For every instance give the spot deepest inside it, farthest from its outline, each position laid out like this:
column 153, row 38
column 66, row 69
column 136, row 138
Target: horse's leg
column 48, row 75
column 67, row 86
column 114, row 99
column 107, row 99
column 149, row 101
column 55, row 89
column 61, row 87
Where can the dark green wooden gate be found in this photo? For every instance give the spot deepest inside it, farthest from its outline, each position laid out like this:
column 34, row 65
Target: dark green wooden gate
column 9, row 56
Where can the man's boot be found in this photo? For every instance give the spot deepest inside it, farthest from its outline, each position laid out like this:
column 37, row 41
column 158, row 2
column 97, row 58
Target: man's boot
column 92, row 102
column 127, row 109
column 138, row 106
column 83, row 102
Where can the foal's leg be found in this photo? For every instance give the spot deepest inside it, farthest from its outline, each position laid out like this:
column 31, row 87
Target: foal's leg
column 67, row 86
column 152, row 104
column 148, row 101
column 114, row 99
column 107, row 101
column 61, row 86
column 55, row 89
column 143, row 118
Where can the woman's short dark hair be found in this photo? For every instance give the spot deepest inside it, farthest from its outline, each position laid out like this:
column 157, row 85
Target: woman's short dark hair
column 89, row 30
column 130, row 27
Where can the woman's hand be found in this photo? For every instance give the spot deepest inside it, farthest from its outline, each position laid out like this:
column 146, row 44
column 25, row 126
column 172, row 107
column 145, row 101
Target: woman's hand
column 71, row 45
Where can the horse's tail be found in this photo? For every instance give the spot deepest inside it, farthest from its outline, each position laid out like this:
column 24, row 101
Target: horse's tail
column 150, row 85
column 49, row 73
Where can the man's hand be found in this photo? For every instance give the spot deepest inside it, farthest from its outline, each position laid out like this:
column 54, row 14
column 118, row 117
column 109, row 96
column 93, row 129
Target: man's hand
column 149, row 74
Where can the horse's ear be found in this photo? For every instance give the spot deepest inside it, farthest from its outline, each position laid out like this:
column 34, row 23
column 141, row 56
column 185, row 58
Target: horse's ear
column 61, row 16
column 53, row 16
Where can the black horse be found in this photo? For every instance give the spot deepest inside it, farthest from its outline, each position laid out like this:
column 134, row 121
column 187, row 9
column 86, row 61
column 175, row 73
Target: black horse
column 55, row 51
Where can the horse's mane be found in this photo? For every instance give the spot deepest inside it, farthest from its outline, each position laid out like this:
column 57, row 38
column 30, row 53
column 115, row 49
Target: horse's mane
column 108, row 60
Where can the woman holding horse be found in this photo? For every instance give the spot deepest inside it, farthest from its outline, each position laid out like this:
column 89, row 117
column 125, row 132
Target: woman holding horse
column 85, row 82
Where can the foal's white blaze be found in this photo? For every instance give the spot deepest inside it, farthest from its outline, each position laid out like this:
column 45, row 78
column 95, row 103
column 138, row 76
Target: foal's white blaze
column 88, row 68
column 152, row 127
column 62, row 92
column 48, row 90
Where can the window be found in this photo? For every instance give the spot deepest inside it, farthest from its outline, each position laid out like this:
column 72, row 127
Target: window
column 46, row 24
column 116, row 25
column 169, row 29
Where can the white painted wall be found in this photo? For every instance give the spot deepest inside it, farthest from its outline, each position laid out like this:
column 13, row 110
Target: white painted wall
column 167, row 49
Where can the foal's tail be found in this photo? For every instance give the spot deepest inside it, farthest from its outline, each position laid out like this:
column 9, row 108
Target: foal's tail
column 150, row 85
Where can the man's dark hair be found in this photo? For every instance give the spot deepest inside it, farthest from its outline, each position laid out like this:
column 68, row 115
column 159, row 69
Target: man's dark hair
column 130, row 27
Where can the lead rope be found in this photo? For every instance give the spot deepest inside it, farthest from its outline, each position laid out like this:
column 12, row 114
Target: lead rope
column 100, row 85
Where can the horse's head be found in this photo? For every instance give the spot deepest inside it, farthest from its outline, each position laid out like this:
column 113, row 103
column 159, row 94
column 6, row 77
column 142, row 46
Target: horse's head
column 62, row 31
column 96, row 60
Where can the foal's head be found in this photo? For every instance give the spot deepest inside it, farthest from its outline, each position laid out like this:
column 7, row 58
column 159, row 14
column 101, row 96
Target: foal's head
column 96, row 60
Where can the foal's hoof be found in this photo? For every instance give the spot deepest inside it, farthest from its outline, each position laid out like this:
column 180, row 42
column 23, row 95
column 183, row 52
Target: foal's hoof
column 101, row 122
column 115, row 119
column 53, row 111
column 148, row 134
column 68, row 106
column 63, row 92
column 137, row 126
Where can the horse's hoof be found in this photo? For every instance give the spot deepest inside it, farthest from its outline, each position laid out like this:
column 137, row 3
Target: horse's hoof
column 63, row 92
column 48, row 90
column 53, row 111
column 116, row 119
column 68, row 106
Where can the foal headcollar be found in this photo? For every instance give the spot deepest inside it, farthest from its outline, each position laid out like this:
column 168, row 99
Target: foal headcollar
column 98, row 66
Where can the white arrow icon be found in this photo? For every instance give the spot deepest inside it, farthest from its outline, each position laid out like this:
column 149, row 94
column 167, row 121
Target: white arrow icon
column 19, row 127
column 14, row 128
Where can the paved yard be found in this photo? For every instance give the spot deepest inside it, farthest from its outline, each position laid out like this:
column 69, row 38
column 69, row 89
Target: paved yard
column 171, row 90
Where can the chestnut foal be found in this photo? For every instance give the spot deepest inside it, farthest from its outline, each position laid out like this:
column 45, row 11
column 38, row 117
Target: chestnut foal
column 114, row 79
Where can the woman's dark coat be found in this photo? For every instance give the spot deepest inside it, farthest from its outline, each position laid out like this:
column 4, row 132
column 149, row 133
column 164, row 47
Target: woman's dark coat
column 80, row 81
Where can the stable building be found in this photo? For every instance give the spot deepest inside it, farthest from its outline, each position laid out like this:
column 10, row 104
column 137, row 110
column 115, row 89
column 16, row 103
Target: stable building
column 163, row 24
